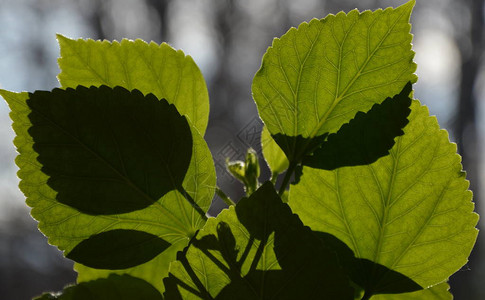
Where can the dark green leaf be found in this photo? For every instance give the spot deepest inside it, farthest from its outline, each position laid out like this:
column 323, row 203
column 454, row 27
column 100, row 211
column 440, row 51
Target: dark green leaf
column 257, row 250
column 118, row 249
column 109, row 151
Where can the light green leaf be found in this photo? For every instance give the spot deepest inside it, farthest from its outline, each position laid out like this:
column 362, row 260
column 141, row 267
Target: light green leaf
column 274, row 156
column 409, row 211
column 367, row 137
column 150, row 68
column 315, row 78
column 114, row 287
column 437, row 292
column 171, row 217
column 257, row 250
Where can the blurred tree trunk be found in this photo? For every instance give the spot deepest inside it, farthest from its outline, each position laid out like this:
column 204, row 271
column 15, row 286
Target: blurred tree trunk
column 466, row 120
column 161, row 7
column 467, row 285
column 94, row 15
column 223, row 89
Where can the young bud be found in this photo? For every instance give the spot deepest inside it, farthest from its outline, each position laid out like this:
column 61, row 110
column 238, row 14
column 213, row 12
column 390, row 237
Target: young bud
column 252, row 171
column 246, row 172
column 237, row 168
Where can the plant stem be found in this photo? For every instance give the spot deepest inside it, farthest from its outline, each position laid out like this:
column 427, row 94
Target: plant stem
column 224, row 197
column 366, row 296
column 274, row 177
column 287, row 178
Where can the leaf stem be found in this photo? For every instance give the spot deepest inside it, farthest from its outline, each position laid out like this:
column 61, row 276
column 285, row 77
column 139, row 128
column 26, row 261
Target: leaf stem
column 224, row 197
column 287, row 178
column 194, row 204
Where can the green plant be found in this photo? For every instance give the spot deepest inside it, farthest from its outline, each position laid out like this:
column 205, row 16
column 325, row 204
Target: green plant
column 119, row 177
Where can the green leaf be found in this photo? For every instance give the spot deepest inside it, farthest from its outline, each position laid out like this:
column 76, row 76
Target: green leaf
column 274, row 156
column 366, row 138
column 365, row 274
column 409, row 211
column 257, row 250
column 150, row 68
column 171, row 217
column 316, row 78
column 437, row 292
column 114, row 287
column 153, row 271
column 297, row 147
column 118, row 249
column 363, row 140
column 109, row 151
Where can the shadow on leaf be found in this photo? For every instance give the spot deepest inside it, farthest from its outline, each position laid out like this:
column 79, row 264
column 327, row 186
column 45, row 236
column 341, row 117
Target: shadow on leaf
column 275, row 257
column 109, row 151
column 118, row 249
column 261, row 250
column 366, row 138
column 372, row 277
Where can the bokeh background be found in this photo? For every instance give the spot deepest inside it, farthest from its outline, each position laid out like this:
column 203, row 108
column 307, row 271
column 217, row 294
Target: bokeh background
column 227, row 39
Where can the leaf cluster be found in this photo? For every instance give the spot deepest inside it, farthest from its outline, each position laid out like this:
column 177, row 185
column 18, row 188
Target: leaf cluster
column 116, row 171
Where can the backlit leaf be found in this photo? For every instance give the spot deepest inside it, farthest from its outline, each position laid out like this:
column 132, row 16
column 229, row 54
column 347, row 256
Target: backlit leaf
column 151, row 68
column 118, row 249
column 315, row 78
column 274, row 156
column 409, row 211
column 366, row 138
column 171, row 217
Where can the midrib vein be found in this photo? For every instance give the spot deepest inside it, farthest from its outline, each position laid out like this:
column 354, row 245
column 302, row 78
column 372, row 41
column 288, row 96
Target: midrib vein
column 87, row 64
column 296, row 96
column 344, row 215
column 342, row 95
column 387, row 203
